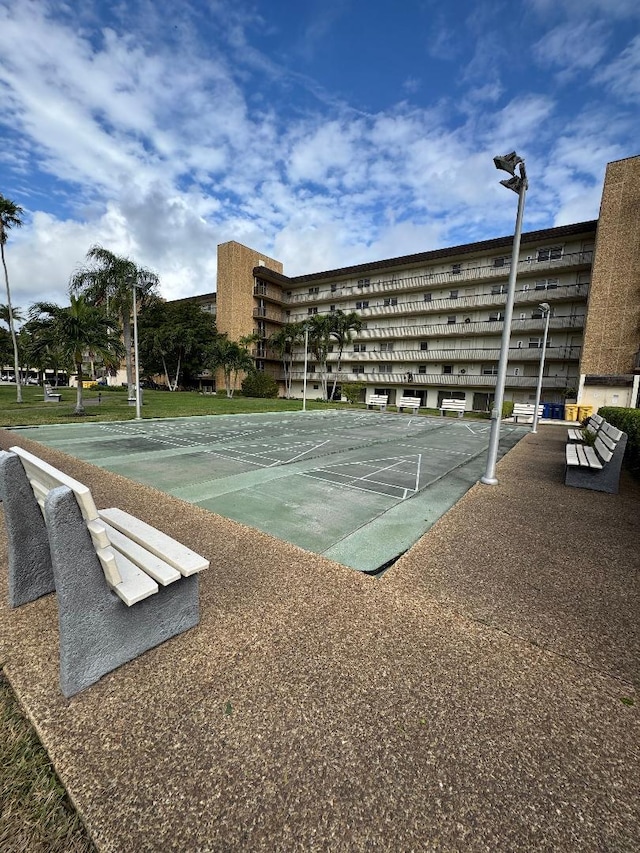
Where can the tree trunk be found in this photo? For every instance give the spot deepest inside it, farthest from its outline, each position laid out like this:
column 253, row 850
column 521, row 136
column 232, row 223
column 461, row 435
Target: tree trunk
column 14, row 339
column 126, row 337
column 79, row 409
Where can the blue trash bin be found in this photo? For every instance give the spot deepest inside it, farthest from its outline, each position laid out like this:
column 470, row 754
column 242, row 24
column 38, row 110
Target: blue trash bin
column 557, row 411
column 546, row 410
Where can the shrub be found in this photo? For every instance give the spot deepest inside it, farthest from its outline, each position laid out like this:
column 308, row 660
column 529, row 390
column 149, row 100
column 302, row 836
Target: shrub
column 353, row 391
column 628, row 420
column 259, row 385
column 507, row 408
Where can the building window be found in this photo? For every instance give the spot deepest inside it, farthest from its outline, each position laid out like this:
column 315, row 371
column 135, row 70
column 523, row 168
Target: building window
column 501, row 262
column 364, row 282
column 546, row 283
column 422, row 368
column 384, row 368
column 456, row 269
column 451, row 320
column 311, row 368
column 386, row 346
column 424, row 345
column 313, row 310
column 427, row 297
column 498, row 289
column 390, row 300
column 447, row 368
column 261, row 288
column 496, row 316
column 359, row 347
column 357, row 368
column 489, row 369
column 550, row 253
column 364, row 303
column 453, row 294
column 313, row 291
column 334, row 287
column 535, row 343
column 332, row 307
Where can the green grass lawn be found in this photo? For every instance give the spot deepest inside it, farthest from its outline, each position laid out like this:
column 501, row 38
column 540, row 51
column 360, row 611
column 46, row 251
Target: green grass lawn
column 113, row 405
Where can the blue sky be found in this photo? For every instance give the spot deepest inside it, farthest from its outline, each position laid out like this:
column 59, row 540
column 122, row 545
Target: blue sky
column 320, row 133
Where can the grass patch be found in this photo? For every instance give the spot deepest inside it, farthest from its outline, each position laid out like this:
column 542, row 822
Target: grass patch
column 113, row 406
column 36, row 814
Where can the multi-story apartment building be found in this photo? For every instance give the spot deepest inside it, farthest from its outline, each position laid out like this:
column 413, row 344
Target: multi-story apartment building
column 432, row 322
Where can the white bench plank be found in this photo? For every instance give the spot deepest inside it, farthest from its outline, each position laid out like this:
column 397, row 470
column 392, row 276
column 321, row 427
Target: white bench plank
column 49, row 477
column 149, row 563
column 135, row 584
column 186, row 561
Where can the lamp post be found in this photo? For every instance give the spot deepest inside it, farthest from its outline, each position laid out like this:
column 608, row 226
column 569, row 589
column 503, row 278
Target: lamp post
column 517, row 183
column 304, row 378
column 135, row 353
column 546, row 310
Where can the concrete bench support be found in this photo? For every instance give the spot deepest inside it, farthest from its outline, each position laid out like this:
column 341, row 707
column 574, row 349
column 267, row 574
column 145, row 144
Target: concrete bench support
column 97, row 632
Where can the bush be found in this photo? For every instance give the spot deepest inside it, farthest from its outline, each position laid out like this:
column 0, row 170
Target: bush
column 507, row 408
column 628, row 420
column 353, row 391
column 259, row 385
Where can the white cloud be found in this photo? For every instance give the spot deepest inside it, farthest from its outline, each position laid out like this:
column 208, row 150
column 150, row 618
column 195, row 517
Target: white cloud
column 622, row 75
column 572, row 47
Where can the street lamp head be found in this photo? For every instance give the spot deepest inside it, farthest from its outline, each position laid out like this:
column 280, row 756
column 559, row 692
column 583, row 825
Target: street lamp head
column 514, row 183
column 544, row 306
column 508, row 162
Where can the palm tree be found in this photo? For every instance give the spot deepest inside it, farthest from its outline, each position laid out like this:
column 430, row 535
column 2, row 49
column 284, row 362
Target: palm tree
column 320, row 329
column 342, row 327
column 232, row 358
column 283, row 342
column 10, row 217
column 109, row 280
column 77, row 329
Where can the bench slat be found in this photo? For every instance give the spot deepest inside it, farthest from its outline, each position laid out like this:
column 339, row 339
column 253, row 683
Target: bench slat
column 158, row 569
column 135, row 584
column 571, row 454
column 591, row 457
column 186, row 561
column 51, row 478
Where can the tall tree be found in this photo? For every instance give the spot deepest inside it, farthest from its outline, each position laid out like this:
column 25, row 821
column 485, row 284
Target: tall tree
column 77, row 330
column 320, row 327
column 10, row 217
column 174, row 340
column 283, row 342
column 343, row 327
column 108, row 280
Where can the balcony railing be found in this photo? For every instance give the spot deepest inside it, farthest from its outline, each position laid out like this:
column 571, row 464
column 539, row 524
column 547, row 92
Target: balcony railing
column 560, row 353
column 486, row 272
column 493, row 327
column 441, row 380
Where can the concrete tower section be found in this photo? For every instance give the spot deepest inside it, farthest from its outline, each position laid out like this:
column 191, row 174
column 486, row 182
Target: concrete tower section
column 610, row 363
column 237, row 305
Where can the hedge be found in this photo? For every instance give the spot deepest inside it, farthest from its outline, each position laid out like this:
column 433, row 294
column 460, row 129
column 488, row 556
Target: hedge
column 628, row 420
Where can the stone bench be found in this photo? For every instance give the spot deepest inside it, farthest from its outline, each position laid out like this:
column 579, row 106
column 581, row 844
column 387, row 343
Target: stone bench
column 458, row 406
column 526, row 411
column 408, row 403
column 123, row 587
column 379, row 400
column 51, row 396
column 596, row 467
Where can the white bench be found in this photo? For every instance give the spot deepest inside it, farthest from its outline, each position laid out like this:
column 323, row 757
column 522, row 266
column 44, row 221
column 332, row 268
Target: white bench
column 408, row 403
column 598, row 466
column 593, row 425
column 379, row 400
column 526, row 411
column 458, row 406
column 51, row 396
column 100, row 563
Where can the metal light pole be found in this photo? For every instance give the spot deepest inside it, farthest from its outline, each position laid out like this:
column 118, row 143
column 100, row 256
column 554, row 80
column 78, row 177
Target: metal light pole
column 304, row 378
column 517, row 183
column 135, row 354
column 546, row 310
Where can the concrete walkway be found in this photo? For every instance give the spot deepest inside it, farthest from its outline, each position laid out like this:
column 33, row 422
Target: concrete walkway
column 475, row 698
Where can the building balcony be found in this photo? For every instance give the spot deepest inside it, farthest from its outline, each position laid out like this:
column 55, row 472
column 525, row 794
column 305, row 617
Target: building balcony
column 561, row 353
column 529, row 268
column 440, row 380
column 464, row 329
column 264, row 313
column 265, row 290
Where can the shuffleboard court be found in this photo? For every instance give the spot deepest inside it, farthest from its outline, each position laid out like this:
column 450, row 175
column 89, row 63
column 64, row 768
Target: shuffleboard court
column 359, row 487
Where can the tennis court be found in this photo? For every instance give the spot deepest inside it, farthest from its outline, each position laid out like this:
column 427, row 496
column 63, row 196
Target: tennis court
column 357, row 486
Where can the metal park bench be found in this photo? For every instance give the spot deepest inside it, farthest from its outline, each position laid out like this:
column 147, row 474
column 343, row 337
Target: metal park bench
column 123, row 587
column 526, row 411
column 458, row 406
column 591, row 429
column 408, row 403
column 51, row 396
column 379, row 400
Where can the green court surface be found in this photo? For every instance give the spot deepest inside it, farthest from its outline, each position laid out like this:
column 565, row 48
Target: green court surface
column 359, row 487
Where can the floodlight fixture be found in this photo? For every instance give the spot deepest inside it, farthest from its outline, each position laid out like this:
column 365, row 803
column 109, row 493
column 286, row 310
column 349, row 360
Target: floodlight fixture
column 508, row 162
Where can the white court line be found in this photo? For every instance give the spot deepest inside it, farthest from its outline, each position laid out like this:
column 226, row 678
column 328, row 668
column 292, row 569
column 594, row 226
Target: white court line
column 304, row 452
column 351, row 484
